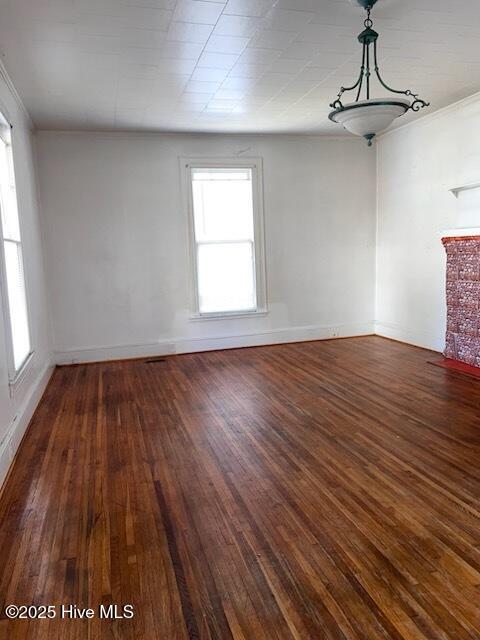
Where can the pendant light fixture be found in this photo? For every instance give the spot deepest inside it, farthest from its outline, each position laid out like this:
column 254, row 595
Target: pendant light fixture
column 369, row 116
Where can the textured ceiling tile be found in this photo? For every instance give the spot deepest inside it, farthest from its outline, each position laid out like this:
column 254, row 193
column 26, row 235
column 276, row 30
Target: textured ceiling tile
column 284, row 65
column 99, row 25
column 270, row 39
column 229, row 94
column 237, row 26
column 238, row 83
column 184, row 63
column 285, row 20
column 198, row 11
column 153, row 4
column 43, row 31
column 196, row 98
column 248, row 71
column 209, row 75
column 254, row 8
column 217, row 60
column 132, row 70
column 181, row 50
column 189, row 32
column 145, row 18
column 200, row 86
column 226, row 44
column 174, row 67
column 254, row 55
column 143, row 38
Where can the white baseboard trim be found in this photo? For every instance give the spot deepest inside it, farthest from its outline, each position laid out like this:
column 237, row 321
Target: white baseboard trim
column 213, row 343
column 12, row 440
column 415, row 337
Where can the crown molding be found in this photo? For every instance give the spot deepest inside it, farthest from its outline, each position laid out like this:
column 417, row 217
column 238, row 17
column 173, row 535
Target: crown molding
column 199, row 134
column 9, row 82
column 475, row 97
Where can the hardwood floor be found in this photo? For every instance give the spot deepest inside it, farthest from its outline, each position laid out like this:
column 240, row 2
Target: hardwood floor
column 326, row 490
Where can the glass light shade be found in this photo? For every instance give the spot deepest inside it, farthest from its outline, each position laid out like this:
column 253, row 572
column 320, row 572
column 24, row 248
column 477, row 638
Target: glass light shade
column 368, row 117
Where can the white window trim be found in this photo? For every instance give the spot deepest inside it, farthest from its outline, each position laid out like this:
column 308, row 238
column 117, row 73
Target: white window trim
column 21, row 374
column 15, row 376
column 256, row 165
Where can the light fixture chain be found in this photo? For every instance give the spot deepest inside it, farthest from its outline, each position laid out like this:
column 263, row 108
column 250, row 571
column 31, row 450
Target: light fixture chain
column 368, row 22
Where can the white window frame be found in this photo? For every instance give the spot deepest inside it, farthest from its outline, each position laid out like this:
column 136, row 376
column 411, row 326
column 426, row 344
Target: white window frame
column 15, row 376
column 256, row 166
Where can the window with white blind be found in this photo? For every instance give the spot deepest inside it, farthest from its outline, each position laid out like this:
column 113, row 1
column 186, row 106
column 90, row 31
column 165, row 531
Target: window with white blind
column 13, row 272
column 226, row 238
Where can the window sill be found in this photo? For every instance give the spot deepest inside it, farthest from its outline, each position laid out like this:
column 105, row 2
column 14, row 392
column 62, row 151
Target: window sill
column 229, row 316
column 20, row 375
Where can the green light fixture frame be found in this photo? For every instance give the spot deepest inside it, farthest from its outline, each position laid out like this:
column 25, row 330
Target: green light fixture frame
column 367, row 38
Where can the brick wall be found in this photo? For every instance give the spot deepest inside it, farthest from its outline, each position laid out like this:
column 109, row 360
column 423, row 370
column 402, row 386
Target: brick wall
column 463, row 299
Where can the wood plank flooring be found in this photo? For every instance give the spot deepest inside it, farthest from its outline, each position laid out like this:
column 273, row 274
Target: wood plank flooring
column 326, row 490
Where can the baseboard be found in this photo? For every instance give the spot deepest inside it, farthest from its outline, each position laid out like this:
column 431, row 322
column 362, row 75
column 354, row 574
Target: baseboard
column 213, row 343
column 11, row 442
column 422, row 339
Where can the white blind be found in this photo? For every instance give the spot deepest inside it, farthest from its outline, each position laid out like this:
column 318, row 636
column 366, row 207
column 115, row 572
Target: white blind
column 12, row 245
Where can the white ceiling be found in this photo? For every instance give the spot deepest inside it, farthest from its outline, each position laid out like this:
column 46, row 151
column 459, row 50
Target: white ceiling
column 225, row 65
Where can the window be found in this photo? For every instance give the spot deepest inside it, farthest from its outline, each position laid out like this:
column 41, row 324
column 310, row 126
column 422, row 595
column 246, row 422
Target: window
column 16, row 300
column 227, row 239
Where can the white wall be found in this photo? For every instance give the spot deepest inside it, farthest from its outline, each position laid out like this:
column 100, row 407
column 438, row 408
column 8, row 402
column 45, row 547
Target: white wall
column 17, row 408
column 115, row 233
column 417, row 164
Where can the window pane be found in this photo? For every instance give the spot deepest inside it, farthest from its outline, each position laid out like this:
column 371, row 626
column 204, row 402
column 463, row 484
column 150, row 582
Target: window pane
column 226, row 277
column 222, row 174
column 223, row 209
column 17, row 303
column 8, row 197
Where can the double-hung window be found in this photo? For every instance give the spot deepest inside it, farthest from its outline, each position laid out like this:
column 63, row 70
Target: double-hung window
column 226, row 238
column 13, row 272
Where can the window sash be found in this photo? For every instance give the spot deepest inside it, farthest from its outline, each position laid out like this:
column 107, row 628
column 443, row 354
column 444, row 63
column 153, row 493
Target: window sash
column 236, row 309
column 16, row 312
column 252, row 169
column 17, row 304
column 8, row 195
column 239, row 173
column 239, row 241
column 223, row 174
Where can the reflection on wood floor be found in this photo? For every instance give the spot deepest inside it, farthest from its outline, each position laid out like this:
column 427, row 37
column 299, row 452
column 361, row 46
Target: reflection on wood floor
column 325, row 490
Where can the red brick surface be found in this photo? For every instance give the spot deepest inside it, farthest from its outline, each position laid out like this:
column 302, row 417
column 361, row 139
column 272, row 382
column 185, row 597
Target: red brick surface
column 463, row 299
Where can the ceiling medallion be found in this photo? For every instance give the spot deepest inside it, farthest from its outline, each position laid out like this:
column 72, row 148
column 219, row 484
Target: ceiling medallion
column 368, row 117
